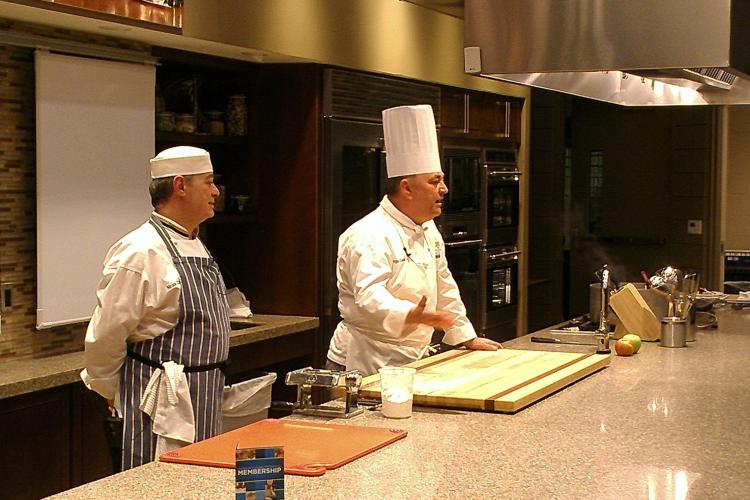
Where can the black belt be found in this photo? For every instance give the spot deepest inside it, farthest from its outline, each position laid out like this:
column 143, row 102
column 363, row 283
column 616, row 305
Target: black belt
column 221, row 365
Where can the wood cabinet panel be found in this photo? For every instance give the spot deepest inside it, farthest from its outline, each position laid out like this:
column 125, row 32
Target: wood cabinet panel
column 90, row 449
column 285, row 274
column 489, row 115
column 452, row 111
column 479, row 117
column 514, row 121
column 55, row 439
column 36, row 444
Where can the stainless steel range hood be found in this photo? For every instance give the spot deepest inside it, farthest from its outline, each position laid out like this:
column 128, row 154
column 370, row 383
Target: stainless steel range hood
column 628, row 52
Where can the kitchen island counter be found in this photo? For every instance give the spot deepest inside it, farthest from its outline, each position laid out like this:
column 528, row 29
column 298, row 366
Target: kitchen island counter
column 28, row 375
column 665, row 423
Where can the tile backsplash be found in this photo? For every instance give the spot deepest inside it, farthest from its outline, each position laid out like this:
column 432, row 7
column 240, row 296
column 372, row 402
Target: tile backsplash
column 19, row 337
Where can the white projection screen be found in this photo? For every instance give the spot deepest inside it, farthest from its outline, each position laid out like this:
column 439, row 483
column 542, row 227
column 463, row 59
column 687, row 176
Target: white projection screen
column 94, row 136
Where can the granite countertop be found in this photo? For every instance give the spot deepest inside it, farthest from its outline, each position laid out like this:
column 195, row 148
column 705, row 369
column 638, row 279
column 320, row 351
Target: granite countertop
column 665, row 423
column 29, row 375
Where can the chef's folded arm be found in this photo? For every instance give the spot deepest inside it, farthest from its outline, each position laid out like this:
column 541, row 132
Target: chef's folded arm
column 109, row 329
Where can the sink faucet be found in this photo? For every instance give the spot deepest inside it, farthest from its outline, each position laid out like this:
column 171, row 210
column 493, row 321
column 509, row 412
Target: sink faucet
column 602, row 333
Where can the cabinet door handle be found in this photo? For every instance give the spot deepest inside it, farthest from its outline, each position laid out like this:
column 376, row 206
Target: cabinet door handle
column 466, row 113
column 455, row 244
column 507, row 118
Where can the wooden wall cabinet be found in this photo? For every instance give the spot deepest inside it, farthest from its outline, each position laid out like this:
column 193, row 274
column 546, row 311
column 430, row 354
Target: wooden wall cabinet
column 453, row 111
column 479, row 115
column 489, row 115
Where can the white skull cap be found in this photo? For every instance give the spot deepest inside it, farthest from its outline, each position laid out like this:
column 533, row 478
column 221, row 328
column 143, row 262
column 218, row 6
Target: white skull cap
column 180, row 160
column 410, row 140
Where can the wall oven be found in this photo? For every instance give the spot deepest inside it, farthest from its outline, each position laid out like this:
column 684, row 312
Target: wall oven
column 353, row 185
column 461, row 168
column 499, row 293
column 480, row 226
column 500, row 197
column 460, row 220
column 460, row 223
column 463, row 261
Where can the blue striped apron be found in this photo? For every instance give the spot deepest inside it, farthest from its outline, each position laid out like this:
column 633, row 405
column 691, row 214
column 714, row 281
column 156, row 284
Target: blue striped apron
column 200, row 337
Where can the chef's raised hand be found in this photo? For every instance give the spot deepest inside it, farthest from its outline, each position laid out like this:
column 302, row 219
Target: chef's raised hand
column 435, row 319
column 482, row 344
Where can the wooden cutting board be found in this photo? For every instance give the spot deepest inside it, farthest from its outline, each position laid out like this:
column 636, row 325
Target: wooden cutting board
column 310, row 448
column 505, row 380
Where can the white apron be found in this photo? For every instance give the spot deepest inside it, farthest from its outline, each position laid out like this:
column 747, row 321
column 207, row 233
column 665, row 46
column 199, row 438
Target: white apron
column 171, row 386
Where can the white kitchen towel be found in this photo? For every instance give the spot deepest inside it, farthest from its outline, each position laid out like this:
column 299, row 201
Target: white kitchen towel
column 239, row 306
column 167, row 401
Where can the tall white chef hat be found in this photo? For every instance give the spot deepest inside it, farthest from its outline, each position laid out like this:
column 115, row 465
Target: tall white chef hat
column 180, row 160
column 410, row 140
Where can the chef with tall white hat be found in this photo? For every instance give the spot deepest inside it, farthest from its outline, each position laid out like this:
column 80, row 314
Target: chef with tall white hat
column 158, row 339
column 393, row 279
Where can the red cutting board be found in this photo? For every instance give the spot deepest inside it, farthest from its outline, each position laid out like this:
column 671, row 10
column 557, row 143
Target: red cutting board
column 310, row 448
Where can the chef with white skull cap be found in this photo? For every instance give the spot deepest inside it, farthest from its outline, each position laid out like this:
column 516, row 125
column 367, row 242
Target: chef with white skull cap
column 158, row 339
column 393, row 279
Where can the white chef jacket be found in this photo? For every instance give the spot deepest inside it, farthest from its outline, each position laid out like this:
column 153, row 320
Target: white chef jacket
column 137, row 299
column 386, row 263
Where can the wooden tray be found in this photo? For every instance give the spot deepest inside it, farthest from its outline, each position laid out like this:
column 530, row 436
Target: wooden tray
column 310, row 448
column 505, row 380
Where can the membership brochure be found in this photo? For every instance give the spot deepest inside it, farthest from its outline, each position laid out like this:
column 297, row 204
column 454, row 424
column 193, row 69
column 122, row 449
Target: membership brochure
column 259, row 473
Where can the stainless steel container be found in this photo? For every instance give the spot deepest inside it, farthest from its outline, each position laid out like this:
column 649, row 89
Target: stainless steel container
column 673, row 332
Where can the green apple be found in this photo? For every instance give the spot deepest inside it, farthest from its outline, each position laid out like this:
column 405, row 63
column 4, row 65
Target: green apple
column 633, row 339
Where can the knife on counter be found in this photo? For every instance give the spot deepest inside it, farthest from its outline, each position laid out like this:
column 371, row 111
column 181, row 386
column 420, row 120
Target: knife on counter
column 549, row 340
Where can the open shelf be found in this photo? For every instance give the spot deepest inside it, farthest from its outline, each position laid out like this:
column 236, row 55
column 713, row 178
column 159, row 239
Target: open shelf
column 198, row 139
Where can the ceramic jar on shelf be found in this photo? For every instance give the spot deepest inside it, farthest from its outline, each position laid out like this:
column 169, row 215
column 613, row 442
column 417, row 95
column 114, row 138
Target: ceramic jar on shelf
column 214, row 123
column 185, row 123
column 165, row 121
column 237, row 115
